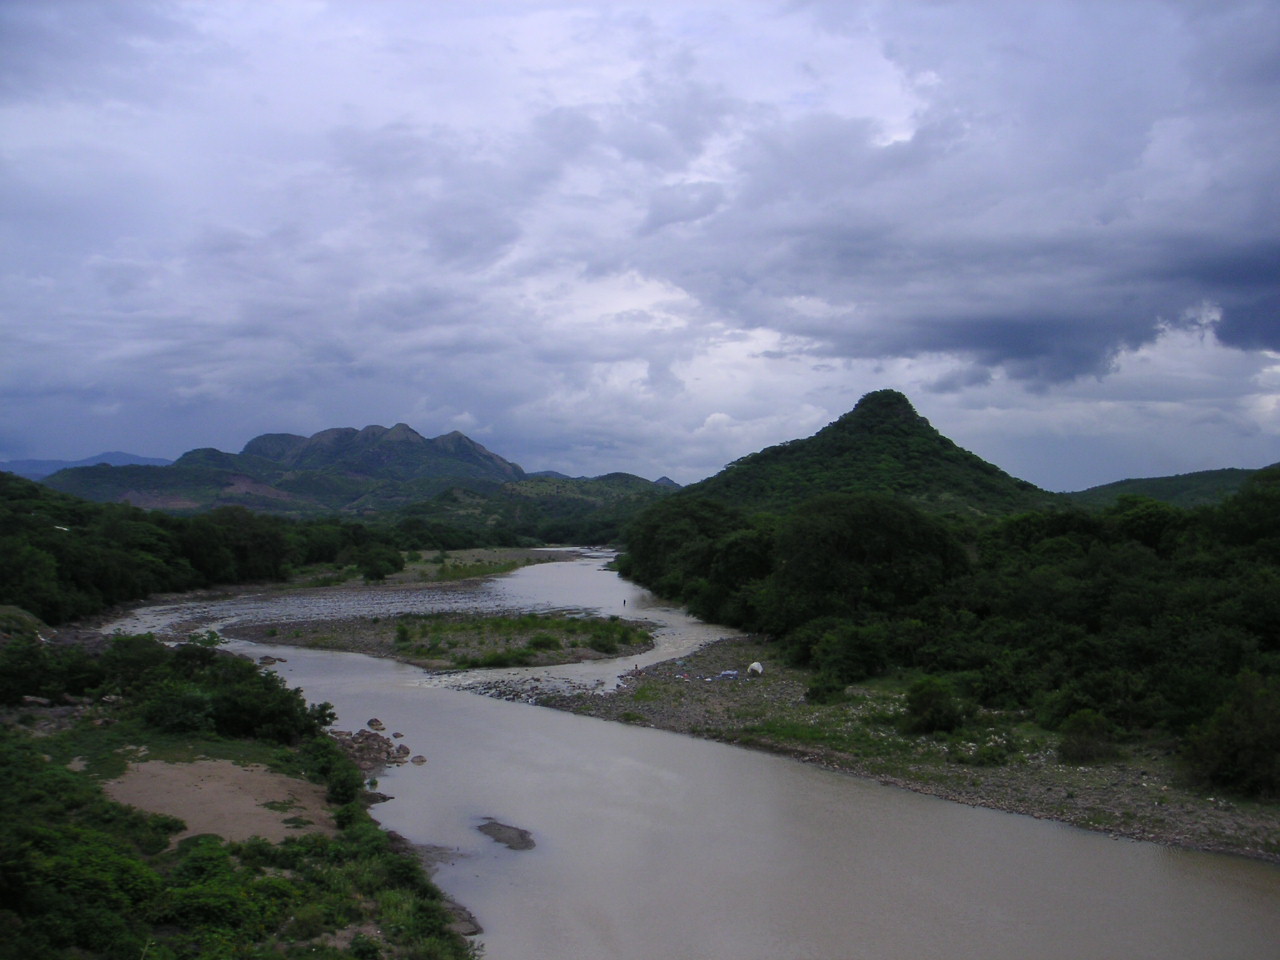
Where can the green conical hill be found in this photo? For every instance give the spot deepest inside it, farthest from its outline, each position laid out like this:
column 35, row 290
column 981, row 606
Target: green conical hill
column 881, row 446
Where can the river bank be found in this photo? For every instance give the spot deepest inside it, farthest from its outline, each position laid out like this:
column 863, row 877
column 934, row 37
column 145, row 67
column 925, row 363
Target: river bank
column 1137, row 796
column 998, row 761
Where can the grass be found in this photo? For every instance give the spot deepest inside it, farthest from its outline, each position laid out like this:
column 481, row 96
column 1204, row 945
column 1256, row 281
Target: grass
column 469, row 642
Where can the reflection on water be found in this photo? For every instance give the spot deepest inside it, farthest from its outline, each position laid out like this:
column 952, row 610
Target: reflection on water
column 655, row 845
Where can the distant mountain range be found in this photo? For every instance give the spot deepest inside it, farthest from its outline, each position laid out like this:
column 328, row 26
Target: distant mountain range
column 450, row 479
column 882, row 445
column 39, row 469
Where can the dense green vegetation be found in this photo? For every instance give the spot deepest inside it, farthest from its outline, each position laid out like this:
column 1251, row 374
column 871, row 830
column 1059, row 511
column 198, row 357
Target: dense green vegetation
column 1201, row 489
column 62, row 558
column 1143, row 619
column 82, row 876
column 449, row 483
column 541, row 509
column 881, row 446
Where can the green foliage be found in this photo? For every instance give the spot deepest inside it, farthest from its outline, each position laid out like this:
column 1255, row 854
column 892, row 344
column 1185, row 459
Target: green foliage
column 932, row 707
column 1142, row 613
column 511, row 641
column 1186, row 491
column 30, row 667
column 1239, row 746
column 83, row 876
column 1086, row 738
column 881, row 446
column 673, row 545
column 846, row 555
column 825, row 688
column 377, row 561
column 63, row 558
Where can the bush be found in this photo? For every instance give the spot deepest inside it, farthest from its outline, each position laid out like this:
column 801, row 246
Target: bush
column 825, row 689
column 1086, row 738
column 932, row 707
column 1239, row 747
column 179, row 708
column 544, row 641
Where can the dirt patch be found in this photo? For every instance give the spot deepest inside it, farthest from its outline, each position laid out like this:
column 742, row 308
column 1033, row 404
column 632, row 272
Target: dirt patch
column 220, row 797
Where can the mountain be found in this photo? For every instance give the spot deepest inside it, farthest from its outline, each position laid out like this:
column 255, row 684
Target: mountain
column 1200, row 489
column 39, row 469
column 881, row 446
column 341, row 469
column 450, row 480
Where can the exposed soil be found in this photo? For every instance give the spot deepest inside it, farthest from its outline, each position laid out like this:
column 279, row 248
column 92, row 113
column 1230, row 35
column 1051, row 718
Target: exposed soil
column 220, row 797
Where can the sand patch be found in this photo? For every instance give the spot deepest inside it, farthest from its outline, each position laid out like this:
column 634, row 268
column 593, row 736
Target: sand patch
column 220, row 797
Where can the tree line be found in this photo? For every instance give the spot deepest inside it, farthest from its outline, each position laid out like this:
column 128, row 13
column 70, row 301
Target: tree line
column 63, row 558
column 1140, row 618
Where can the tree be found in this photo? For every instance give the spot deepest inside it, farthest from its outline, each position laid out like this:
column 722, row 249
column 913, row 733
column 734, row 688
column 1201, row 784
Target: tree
column 1239, row 747
column 845, row 555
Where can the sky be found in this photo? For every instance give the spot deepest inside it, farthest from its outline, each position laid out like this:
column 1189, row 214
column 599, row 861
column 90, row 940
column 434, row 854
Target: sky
column 649, row 237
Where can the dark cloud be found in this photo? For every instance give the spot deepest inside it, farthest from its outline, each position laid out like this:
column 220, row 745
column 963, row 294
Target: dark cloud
column 611, row 236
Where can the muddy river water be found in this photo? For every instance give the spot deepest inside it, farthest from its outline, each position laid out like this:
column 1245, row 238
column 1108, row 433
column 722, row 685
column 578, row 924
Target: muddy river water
column 653, row 845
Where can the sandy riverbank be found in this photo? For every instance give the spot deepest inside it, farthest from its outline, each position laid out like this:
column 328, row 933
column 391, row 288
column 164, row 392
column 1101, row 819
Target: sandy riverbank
column 221, row 797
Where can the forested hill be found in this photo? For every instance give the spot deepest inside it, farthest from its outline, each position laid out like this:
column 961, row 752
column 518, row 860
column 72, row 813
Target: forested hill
column 341, row 469
column 1201, row 489
column 881, row 446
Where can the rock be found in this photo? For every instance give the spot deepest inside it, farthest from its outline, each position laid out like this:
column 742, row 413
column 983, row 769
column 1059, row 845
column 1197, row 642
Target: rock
column 419, row 760
column 514, row 838
column 463, row 922
column 376, row 724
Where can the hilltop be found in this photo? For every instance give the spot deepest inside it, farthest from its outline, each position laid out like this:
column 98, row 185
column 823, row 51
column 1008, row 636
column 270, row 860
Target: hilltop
column 881, row 446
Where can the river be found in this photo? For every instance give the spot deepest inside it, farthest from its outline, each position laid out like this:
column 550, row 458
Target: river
column 650, row 844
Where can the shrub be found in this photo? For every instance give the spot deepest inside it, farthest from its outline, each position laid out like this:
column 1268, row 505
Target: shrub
column 1086, row 737
column 932, row 707
column 179, row 708
column 825, row 688
column 544, row 641
column 1239, row 746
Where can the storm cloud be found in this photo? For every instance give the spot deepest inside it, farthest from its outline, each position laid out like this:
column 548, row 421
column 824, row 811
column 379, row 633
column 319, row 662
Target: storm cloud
column 644, row 236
